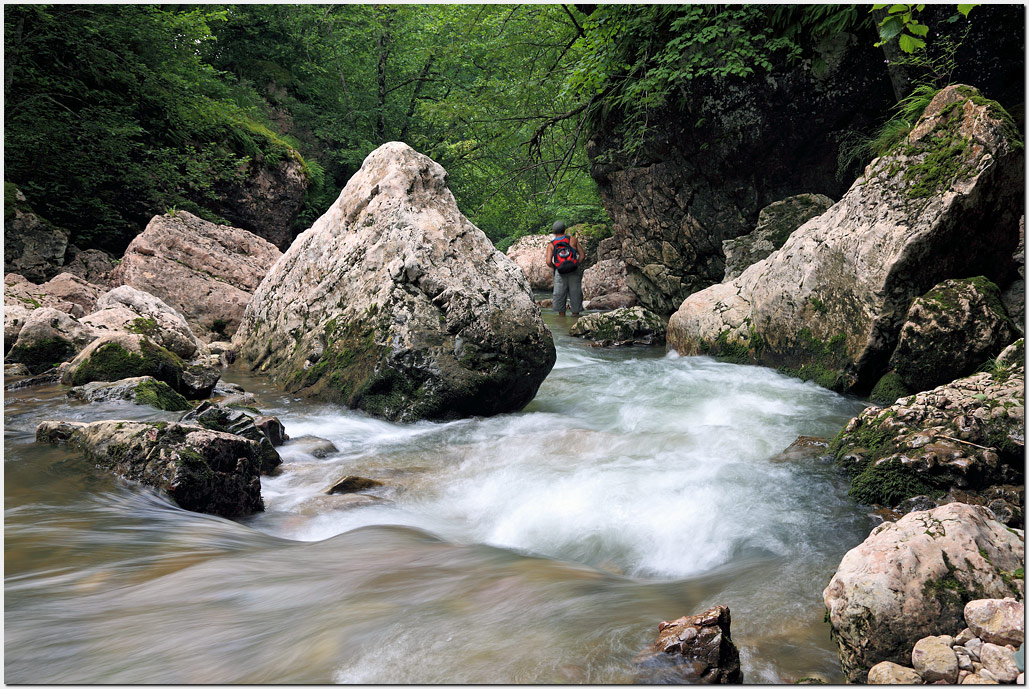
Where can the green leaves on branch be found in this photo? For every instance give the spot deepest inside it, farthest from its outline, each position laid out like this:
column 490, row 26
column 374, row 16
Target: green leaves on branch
column 901, row 23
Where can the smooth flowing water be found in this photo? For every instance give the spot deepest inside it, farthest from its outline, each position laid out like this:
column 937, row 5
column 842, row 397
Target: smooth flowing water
column 537, row 547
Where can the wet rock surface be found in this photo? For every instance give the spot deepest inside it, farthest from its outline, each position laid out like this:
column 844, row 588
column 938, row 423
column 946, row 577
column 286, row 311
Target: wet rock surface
column 219, row 418
column 629, row 325
column 201, row 470
column 696, row 649
column 140, row 390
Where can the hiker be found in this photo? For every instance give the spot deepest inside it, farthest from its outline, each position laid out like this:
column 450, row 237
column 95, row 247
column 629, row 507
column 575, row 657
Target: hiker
column 565, row 256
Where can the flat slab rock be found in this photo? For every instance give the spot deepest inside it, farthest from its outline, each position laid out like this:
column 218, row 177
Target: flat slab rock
column 200, row 469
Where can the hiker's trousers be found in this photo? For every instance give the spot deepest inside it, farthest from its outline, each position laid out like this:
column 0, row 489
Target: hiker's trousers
column 568, row 286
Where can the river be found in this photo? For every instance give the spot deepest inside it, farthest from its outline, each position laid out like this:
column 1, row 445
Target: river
column 537, row 547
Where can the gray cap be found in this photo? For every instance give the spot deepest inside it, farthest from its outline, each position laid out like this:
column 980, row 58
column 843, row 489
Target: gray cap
column 558, row 227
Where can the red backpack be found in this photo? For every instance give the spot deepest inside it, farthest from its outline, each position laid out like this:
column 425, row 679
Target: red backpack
column 566, row 258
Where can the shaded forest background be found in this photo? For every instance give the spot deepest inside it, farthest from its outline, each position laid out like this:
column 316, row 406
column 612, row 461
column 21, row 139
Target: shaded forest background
column 117, row 112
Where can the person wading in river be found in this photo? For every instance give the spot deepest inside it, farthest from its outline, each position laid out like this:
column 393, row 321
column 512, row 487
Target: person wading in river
column 567, row 267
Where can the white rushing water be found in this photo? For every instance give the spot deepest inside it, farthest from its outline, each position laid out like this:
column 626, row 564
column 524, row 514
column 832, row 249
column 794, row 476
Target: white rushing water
column 541, row 546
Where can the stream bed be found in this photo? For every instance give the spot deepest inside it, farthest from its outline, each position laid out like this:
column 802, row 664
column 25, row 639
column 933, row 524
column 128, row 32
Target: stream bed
column 537, row 547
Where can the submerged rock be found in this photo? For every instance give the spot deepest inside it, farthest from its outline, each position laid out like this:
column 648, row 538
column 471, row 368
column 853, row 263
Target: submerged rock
column 141, row 390
column 201, row 470
column 775, row 223
column 353, row 484
column 634, row 324
column 692, row 650
column 314, row 446
column 828, row 305
column 394, row 303
column 916, row 575
column 204, row 271
column 949, row 332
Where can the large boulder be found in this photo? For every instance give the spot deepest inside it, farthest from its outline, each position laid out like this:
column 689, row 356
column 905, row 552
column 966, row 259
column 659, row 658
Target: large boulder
column 696, row 649
column 33, row 247
column 829, row 304
column 530, row 254
column 775, row 223
column 393, row 302
column 266, row 200
column 206, row 272
column 950, row 331
column 48, row 337
column 127, row 309
column 605, row 277
column 200, row 469
column 968, row 434
column 913, row 577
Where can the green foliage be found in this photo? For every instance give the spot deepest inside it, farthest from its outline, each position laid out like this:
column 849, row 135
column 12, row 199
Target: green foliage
column 901, row 22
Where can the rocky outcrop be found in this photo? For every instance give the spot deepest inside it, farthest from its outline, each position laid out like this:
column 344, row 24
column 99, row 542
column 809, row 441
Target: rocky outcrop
column 139, row 390
column 201, row 470
column 978, row 654
column 775, row 223
column 968, row 434
column 604, row 286
column 829, row 304
column 47, row 338
column 394, row 303
column 266, row 202
column 949, row 332
column 65, row 292
column 206, row 272
column 709, row 167
column 621, row 326
column 121, row 355
column 692, row 650
column 92, row 265
column 916, row 575
column 33, row 247
column 530, row 254
column 127, row 309
column 219, row 418
column 1013, row 296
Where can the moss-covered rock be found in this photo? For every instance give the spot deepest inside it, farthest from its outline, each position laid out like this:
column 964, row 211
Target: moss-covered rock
column 43, row 354
column 634, row 324
column 141, row 390
column 967, row 435
column 889, row 389
column 950, row 331
column 200, row 469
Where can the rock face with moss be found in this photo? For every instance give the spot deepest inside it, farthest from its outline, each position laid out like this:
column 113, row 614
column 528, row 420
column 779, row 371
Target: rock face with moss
column 200, row 469
column 635, row 325
column 140, row 390
column 33, row 247
column 968, row 434
column 950, row 331
column 206, row 272
column 775, row 223
column 829, row 304
column 915, row 575
column 393, row 302
column 121, row 355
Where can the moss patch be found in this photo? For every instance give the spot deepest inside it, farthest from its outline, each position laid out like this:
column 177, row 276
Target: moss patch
column 824, row 361
column 890, row 483
column 160, row 395
column 889, row 389
column 112, row 362
column 43, row 354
